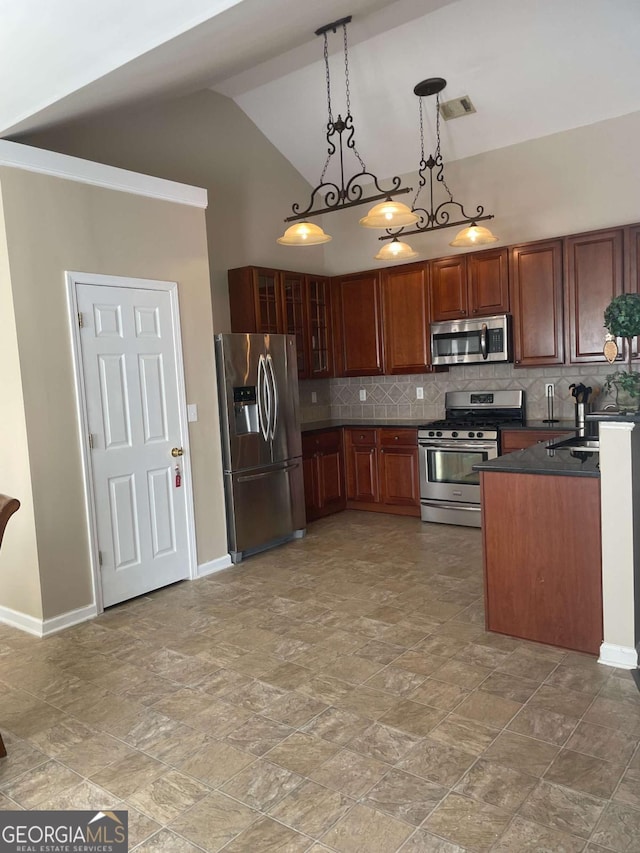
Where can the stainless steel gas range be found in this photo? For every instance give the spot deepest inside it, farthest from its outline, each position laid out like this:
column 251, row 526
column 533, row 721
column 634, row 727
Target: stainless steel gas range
column 469, row 433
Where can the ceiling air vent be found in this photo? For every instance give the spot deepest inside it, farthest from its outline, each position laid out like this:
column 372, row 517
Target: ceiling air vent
column 456, row 108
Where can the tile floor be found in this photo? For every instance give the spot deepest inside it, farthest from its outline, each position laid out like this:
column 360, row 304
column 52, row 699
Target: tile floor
column 338, row 693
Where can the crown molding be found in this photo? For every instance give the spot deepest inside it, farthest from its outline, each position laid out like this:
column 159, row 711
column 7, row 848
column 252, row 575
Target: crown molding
column 19, row 156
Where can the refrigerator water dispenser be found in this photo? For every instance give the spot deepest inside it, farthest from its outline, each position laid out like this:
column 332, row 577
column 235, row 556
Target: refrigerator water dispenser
column 245, row 408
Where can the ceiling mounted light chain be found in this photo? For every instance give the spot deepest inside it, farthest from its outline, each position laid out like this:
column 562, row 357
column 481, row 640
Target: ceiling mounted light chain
column 348, row 192
column 448, row 213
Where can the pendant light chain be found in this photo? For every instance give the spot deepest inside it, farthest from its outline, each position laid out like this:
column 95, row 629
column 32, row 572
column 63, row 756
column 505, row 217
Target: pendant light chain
column 352, row 142
column 438, row 156
column 329, row 108
column 423, row 164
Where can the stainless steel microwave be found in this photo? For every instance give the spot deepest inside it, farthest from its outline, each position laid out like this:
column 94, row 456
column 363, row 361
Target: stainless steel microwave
column 472, row 341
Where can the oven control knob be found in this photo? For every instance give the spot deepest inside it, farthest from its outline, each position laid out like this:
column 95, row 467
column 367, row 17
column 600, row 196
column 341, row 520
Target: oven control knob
column 439, row 434
column 431, row 433
column 454, row 434
column 479, row 434
column 472, row 435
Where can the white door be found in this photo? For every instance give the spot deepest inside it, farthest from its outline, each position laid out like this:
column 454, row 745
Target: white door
column 129, row 371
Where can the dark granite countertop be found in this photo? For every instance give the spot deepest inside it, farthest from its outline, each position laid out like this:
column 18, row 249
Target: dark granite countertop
column 540, row 460
column 416, row 423
column 624, row 417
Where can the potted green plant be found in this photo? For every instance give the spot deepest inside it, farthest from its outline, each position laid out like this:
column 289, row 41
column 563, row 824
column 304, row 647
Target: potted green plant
column 622, row 320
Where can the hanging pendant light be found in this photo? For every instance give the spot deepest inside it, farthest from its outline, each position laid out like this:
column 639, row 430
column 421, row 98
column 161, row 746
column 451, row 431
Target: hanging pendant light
column 303, row 234
column 395, row 251
column 474, row 235
column 389, row 214
column 448, row 213
column 328, row 196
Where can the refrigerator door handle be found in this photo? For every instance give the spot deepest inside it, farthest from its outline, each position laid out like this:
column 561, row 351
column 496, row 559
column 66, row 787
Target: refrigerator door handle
column 249, row 477
column 262, row 415
column 274, row 387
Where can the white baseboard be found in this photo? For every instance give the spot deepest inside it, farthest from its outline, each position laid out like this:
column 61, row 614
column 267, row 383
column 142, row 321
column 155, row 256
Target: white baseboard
column 213, row 566
column 624, row 657
column 46, row 627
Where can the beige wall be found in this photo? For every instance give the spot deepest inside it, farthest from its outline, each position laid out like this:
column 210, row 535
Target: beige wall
column 19, row 556
column 204, row 140
column 53, row 225
column 569, row 182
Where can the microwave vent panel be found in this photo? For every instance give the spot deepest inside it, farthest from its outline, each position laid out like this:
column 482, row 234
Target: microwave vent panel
column 456, row 108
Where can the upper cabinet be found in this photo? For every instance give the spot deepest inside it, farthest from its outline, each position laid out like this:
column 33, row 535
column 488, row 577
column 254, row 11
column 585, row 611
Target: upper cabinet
column 594, row 268
column 357, row 324
column 279, row 302
column 468, row 285
column 535, row 281
column 405, row 300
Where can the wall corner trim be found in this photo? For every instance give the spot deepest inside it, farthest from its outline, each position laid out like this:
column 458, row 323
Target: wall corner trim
column 213, row 566
column 19, row 156
column 45, row 627
column 623, row 657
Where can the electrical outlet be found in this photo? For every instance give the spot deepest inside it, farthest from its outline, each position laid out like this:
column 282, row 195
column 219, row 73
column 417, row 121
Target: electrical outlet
column 419, row 393
column 314, row 397
column 549, row 389
column 363, row 395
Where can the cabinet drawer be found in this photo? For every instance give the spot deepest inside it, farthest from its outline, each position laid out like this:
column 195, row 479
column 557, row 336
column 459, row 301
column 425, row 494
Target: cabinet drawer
column 321, row 441
column 395, row 437
column 365, row 437
column 520, row 439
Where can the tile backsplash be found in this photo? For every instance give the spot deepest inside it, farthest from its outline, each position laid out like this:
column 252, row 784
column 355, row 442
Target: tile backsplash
column 395, row 396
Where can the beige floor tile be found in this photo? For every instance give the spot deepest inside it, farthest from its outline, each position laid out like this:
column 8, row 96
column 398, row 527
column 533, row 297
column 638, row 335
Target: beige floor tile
column 383, row 743
column 496, row 784
column 294, row 709
column 258, row 735
column 522, row 753
column 467, row 822
column 488, row 709
column 351, row 668
column 350, row 773
column 268, row 836
column 412, row 717
column 440, row 695
column 543, row 725
column 168, row 796
column 628, row 790
column 262, row 784
column 526, row 837
column 560, row 700
column 215, row 762
column 214, row 821
column 437, row 762
column 43, row 782
column 302, row 753
column 312, row 808
column 468, row 735
column 563, row 809
column 623, row 715
column 166, row 841
column 618, row 829
column 584, row 773
column 364, row 830
column 405, row 796
column 336, row 725
column 425, row 842
column 126, row 775
column 602, row 742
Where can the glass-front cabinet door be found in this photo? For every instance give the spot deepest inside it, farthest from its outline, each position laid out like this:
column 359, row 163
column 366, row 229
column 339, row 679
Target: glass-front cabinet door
column 266, row 296
column 319, row 334
column 294, row 316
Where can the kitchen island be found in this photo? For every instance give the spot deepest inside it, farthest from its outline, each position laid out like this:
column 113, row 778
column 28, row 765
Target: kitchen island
column 542, row 546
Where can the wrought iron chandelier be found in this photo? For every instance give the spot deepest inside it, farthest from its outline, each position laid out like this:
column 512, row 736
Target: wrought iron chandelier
column 448, row 213
column 328, row 195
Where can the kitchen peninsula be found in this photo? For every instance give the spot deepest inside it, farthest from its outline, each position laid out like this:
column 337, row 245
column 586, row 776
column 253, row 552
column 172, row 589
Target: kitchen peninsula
column 542, row 546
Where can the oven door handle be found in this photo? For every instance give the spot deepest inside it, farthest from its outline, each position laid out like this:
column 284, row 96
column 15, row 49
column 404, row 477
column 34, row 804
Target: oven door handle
column 459, row 445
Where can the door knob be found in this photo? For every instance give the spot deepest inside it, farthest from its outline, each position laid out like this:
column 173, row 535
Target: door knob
column 176, row 451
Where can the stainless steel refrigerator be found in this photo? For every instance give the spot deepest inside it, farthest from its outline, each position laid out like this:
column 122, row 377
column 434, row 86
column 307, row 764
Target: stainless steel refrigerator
column 261, row 444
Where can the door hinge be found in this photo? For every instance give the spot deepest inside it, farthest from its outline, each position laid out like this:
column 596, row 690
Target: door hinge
column 91, row 441
column 80, row 320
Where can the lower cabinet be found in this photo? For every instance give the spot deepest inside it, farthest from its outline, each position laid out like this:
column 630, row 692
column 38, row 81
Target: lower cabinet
column 382, row 470
column 519, row 439
column 542, row 565
column 323, row 465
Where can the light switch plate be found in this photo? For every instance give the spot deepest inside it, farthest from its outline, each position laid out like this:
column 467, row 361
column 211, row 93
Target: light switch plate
column 192, row 412
column 314, row 397
column 363, row 395
column 419, row 393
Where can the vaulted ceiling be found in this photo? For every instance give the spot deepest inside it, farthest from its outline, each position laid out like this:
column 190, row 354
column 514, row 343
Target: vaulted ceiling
column 531, row 67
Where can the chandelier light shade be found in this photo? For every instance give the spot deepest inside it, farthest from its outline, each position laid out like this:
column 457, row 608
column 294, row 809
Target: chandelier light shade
column 303, row 234
column 395, row 251
column 389, row 214
column 450, row 212
column 474, row 235
column 344, row 192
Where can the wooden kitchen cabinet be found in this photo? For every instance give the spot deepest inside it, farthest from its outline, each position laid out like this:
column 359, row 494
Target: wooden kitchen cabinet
column 382, row 470
column 357, row 324
column 594, row 268
column 519, row 439
column 289, row 303
column 535, row 282
column 543, row 579
column 324, row 476
column 470, row 285
column 406, row 319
